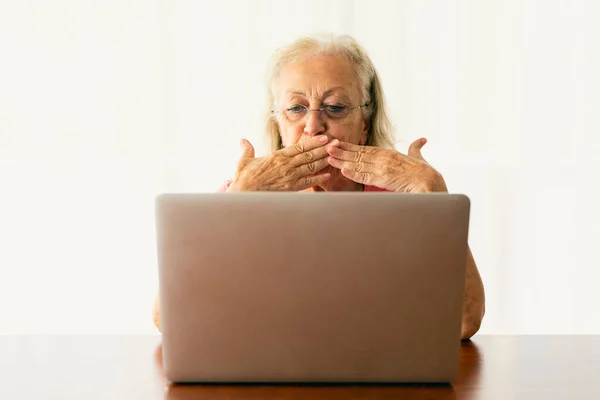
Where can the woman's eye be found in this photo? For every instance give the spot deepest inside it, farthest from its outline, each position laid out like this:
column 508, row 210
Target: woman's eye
column 296, row 109
column 334, row 109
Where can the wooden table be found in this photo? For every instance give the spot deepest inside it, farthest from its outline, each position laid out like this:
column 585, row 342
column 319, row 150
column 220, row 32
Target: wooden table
column 129, row 367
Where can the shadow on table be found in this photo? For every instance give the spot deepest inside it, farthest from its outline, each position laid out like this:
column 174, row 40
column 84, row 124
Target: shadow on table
column 465, row 385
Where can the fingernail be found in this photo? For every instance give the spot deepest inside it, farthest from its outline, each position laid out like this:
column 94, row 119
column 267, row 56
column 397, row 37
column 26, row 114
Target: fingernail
column 323, row 139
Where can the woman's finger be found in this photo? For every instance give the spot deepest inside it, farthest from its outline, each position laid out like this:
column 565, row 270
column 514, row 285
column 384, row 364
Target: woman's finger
column 351, row 147
column 365, row 178
column 351, row 165
column 247, row 153
column 304, row 145
column 311, row 168
column 310, row 156
column 310, row 181
column 356, row 153
column 414, row 150
column 355, row 156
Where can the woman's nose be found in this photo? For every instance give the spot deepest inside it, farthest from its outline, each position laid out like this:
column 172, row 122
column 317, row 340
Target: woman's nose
column 315, row 124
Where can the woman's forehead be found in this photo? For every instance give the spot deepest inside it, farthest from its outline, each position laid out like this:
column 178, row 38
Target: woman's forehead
column 326, row 92
column 318, row 76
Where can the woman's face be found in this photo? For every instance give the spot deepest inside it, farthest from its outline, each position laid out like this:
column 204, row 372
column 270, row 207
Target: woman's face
column 314, row 82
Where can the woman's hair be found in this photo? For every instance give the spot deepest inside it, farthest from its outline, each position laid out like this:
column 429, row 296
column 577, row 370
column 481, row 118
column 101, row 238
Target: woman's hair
column 380, row 131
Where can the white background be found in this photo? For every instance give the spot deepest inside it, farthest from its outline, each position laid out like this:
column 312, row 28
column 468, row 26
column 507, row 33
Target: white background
column 104, row 104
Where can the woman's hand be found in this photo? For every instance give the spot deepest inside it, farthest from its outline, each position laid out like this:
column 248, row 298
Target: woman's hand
column 293, row 168
column 385, row 168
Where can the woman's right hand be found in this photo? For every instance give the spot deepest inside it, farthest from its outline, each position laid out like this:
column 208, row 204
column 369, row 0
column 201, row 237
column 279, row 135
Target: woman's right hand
column 293, row 168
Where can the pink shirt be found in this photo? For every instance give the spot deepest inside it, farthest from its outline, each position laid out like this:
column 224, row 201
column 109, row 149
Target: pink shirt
column 368, row 188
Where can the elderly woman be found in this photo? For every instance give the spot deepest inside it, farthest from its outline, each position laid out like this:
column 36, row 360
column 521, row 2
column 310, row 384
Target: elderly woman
column 329, row 131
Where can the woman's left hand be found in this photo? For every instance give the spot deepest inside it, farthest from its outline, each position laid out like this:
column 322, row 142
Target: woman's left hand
column 386, row 168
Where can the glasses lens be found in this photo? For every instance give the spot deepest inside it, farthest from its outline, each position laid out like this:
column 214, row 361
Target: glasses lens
column 295, row 112
column 336, row 112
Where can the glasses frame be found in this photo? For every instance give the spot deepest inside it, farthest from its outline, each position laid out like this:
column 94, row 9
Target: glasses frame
column 321, row 111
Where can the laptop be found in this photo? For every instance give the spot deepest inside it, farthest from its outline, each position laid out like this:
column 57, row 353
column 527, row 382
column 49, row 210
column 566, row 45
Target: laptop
column 311, row 288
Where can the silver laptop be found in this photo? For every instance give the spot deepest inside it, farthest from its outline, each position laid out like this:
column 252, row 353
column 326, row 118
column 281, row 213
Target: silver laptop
column 321, row 287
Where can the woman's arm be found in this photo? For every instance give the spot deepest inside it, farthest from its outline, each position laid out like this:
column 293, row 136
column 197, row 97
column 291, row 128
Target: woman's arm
column 157, row 314
column 474, row 300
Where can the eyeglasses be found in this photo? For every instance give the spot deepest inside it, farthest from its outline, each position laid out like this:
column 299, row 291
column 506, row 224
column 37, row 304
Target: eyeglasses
column 298, row 111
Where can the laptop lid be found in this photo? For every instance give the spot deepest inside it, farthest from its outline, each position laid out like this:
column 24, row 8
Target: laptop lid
column 320, row 287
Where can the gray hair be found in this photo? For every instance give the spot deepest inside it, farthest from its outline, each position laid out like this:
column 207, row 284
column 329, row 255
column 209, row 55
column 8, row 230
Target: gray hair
column 380, row 132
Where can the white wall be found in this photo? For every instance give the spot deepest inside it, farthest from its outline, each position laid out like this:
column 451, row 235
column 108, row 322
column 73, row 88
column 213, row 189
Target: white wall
column 84, row 125
column 105, row 104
